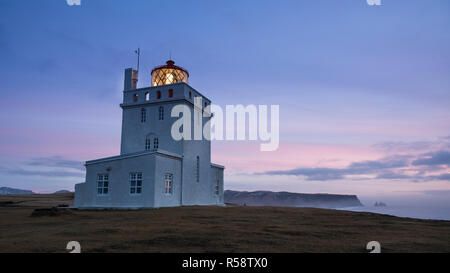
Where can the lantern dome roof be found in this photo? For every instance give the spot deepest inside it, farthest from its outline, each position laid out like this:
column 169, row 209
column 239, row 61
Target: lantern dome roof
column 168, row 74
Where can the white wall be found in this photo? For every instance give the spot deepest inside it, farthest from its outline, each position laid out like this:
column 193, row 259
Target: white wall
column 186, row 189
column 134, row 131
column 119, row 183
column 165, row 165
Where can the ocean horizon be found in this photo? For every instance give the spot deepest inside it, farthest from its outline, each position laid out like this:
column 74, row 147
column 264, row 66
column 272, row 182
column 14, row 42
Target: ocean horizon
column 426, row 213
column 429, row 205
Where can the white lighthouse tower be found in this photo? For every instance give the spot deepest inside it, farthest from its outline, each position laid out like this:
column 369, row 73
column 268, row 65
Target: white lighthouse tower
column 153, row 169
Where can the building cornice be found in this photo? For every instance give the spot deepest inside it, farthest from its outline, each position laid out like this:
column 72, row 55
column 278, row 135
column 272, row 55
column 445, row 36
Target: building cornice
column 217, row 166
column 131, row 155
column 165, row 86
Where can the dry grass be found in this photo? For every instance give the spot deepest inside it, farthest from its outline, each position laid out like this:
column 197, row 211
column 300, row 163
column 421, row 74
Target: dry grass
column 211, row 229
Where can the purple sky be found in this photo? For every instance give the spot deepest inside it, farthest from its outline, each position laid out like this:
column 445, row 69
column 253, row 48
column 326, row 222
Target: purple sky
column 364, row 91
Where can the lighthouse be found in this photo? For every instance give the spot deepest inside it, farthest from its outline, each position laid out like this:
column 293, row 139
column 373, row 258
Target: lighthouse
column 154, row 169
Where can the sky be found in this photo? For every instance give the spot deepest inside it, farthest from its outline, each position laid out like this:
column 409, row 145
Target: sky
column 363, row 91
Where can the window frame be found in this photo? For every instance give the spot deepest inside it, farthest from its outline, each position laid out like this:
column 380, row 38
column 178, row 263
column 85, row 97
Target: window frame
column 143, row 115
column 135, row 189
column 102, row 187
column 155, row 143
column 197, row 169
column 168, row 184
column 161, row 112
column 148, row 144
column 217, row 186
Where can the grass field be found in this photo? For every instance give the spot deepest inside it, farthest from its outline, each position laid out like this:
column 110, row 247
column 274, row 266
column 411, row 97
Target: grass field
column 210, row 229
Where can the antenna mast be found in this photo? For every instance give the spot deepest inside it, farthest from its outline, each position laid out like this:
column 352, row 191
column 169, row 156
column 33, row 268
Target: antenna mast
column 138, row 52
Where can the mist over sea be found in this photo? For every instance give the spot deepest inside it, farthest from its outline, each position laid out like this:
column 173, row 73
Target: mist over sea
column 429, row 205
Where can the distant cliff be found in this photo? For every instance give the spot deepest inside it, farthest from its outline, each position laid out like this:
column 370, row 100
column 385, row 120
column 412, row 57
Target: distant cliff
column 6, row 190
column 62, row 191
column 290, row 199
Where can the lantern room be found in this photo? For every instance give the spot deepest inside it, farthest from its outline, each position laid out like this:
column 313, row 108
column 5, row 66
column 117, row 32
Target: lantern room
column 168, row 74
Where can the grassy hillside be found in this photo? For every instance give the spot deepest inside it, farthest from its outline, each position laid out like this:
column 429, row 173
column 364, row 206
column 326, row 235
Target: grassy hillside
column 210, row 229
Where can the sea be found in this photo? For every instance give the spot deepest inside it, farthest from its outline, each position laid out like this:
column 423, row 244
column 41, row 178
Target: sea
column 407, row 206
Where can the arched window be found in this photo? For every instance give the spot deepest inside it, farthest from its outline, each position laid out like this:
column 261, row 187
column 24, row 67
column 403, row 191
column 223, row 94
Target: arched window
column 197, row 171
column 147, row 96
column 158, row 94
column 147, row 143
column 170, row 93
column 143, row 115
column 161, row 113
column 151, row 142
column 135, row 97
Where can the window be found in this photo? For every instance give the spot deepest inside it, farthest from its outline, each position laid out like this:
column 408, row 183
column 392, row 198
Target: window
column 158, row 94
column 155, row 143
column 168, row 180
column 147, row 96
column 197, row 171
column 102, row 184
column 143, row 115
column 135, row 183
column 161, row 113
column 170, row 93
column 135, row 97
column 190, row 94
column 147, row 144
column 216, row 187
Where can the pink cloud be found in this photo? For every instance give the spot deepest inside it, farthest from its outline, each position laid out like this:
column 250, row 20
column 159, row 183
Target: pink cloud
column 246, row 156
